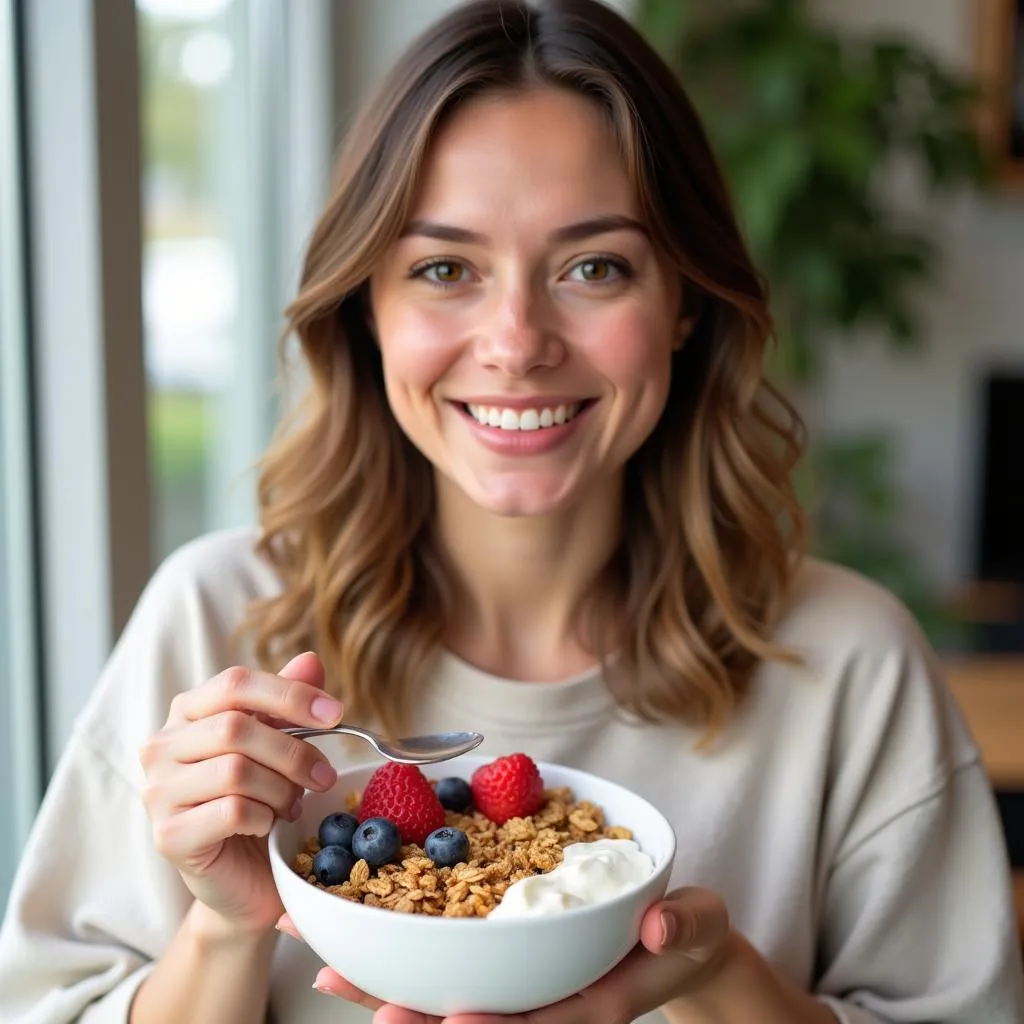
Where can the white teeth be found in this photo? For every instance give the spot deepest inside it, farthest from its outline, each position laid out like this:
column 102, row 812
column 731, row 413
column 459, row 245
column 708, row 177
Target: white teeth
column 525, row 419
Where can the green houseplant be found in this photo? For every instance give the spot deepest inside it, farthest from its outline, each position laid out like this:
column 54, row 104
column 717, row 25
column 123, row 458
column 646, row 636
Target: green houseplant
column 810, row 125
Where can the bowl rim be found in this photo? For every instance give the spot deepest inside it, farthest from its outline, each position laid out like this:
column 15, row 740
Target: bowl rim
column 661, row 864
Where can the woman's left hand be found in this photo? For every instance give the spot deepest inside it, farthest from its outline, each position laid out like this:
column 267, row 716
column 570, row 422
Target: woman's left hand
column 683, row 940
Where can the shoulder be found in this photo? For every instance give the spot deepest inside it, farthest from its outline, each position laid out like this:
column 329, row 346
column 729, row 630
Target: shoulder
column 217, row 562
column 878, row 684
column 184, row 629
column 207, row 582
column 833, row 610
column 852, row 634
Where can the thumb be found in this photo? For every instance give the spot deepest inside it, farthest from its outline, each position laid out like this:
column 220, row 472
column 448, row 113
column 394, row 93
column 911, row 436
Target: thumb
column 305, row 668
column 692, row 923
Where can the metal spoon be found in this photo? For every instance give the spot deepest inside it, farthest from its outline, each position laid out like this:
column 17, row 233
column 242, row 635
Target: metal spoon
column 440, row 746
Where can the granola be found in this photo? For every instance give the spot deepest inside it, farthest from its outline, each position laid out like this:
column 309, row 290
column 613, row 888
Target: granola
column 499, row 856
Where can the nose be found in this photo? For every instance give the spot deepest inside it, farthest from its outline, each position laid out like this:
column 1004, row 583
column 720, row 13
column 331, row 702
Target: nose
column 517, row 336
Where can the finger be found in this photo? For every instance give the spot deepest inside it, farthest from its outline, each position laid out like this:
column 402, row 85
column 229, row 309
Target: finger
column 236, row 733
column 191, row 834
column 388, row 1014
column 225, row 775
column 333, row 984
column 244, row 689
column 577, row 1009
column 286, row 925
column 693, row 923
column 306, row 668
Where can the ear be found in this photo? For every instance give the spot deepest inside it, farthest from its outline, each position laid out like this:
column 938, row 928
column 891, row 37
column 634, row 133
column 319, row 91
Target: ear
column 691, row 306
column 683, row 331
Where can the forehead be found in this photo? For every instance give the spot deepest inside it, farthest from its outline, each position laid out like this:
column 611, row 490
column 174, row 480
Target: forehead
column 551, row 151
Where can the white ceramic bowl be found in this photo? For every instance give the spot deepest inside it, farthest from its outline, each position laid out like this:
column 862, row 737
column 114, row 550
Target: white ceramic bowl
column 451, row 965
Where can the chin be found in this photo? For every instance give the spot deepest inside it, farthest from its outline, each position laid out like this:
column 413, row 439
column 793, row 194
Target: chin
column 522, row 498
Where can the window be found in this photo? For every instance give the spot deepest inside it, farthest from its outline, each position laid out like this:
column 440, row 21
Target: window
column 234, row 97
column 190, row 272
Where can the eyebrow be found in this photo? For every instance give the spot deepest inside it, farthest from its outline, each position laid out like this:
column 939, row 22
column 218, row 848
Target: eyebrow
column 569, row 233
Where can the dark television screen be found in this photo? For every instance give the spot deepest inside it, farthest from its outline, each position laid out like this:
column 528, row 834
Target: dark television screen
column 1001, row 521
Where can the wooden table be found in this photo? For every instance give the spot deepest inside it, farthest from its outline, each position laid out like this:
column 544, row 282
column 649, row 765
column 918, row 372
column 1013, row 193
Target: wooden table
column 990, row 691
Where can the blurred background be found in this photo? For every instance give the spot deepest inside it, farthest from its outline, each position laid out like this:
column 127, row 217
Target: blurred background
column 162, row 162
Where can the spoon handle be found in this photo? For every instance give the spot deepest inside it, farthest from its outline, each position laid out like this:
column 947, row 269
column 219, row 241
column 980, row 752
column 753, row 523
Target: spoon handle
column 347, row 730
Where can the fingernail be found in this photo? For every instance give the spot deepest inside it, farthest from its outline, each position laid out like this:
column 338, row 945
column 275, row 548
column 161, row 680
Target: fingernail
column 296, row 812
column 326, row 710
column 323, row 774
column 668, row 928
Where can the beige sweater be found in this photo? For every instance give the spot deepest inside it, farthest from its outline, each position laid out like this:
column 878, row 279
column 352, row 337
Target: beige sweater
column 844, row 818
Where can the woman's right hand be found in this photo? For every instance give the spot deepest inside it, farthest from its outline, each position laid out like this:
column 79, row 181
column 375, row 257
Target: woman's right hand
column 219, row 772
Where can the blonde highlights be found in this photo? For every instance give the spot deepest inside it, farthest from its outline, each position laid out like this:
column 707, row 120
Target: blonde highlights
column 712, row 530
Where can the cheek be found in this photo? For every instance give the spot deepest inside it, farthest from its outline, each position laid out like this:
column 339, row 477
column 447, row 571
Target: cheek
column 417, row 350
column 632, row 351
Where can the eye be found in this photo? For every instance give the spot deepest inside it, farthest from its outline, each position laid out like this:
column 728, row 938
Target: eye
column 599, row 270
column 441, row 272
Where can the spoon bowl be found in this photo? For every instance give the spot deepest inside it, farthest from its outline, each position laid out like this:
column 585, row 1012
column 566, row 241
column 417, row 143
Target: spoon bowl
column 429, row 749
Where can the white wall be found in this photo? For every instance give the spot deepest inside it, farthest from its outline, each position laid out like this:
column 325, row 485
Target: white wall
column 975, row 320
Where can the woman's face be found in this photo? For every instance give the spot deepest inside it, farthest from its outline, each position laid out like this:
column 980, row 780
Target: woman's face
column 525, row 320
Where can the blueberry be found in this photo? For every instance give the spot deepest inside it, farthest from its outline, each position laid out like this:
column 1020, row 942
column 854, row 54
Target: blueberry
column 332, row 865
column 377, row 841
column 454, row 794
column 447, row 847
column 337, row 830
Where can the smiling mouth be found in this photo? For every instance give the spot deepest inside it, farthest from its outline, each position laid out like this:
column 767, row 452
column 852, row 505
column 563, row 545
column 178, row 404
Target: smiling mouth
column 540, row 418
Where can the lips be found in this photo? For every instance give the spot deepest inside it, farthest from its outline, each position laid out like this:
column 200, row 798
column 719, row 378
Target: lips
column 527, row 427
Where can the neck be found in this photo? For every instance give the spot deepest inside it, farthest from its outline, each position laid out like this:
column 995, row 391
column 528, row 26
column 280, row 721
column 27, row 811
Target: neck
column 520, row 579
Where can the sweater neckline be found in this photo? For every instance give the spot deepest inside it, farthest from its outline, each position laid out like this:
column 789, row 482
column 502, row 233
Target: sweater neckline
column 486, row 697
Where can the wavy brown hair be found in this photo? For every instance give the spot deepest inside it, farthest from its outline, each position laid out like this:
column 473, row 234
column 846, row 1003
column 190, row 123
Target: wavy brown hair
column 712, row 530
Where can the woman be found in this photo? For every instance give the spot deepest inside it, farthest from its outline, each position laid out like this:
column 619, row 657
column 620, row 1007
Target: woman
column 538, row 445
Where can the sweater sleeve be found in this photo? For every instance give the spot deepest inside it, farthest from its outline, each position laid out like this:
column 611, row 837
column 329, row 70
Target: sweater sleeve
column 93, row 904
column 919, row 916
column 911, row 899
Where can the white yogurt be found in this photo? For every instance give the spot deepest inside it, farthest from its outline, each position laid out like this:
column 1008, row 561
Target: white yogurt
column 589, row 873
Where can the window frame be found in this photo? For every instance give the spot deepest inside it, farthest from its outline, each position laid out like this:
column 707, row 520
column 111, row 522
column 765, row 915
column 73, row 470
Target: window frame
column 84, row 217
column 20, row 699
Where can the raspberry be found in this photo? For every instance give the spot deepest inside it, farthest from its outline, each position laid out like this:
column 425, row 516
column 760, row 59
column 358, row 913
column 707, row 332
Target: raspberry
column 402, row 794
column 510, row 787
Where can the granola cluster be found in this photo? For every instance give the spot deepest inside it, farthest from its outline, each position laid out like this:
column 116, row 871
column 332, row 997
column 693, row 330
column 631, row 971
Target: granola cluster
column 499, row 856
